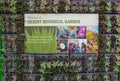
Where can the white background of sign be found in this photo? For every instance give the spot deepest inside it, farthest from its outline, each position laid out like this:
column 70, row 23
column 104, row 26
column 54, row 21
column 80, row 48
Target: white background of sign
column 85, row 19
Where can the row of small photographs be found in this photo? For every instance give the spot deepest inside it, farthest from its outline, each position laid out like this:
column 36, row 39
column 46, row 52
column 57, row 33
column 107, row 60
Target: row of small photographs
column 72, row 32
column 89, row 44
column 77, row 46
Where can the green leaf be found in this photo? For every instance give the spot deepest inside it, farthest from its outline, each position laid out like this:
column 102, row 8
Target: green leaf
column 107, row 49
column 92, row 9
column 14, row 78
column 107, row 63
column 49, row 65
column 107, row 57
column 55, row 64
column 108, row 23
column 90, row 77
column 108, row 7
column 67, row 7
column 106, row 76
column 66, row 64
column 108, row 29
column 118, row 20
column 89, row 64
column 13, row 9
column 106, row 69
column 43, row 2
column 55, row 9
column 55, row 2
column 60, row 64
column 79, row 69
column 118, row 63
column 118, row 57
column 107, row 80
column 90, row 58
column 73, row 64
column 116, row 69
column 78, row 63
column 108, row 44
column 118, row 37
column 42, row 78
column 66, row 78
column 13, row 3
column 43, row 64
column 78, row 78
column 31, row 3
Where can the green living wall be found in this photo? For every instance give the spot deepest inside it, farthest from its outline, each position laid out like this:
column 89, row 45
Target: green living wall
column 0, row 50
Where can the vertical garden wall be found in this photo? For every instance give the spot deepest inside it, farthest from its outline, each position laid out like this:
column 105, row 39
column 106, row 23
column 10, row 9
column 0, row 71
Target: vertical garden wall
column 22, row 61
column 1, row 25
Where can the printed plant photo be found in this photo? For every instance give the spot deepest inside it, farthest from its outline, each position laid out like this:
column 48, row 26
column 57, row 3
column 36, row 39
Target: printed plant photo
column 81, row 32
column 77, row 46
column 62, row 46
column 40, row 39
column 65, row 32
column 92, row 40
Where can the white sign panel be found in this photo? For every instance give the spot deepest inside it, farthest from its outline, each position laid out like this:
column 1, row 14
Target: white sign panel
column 61, row 19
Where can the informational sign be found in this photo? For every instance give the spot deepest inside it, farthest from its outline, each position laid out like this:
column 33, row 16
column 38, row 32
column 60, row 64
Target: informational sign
column 61, row 33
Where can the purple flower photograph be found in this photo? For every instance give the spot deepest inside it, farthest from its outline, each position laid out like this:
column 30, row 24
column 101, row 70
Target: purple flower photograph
column 81, row 32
